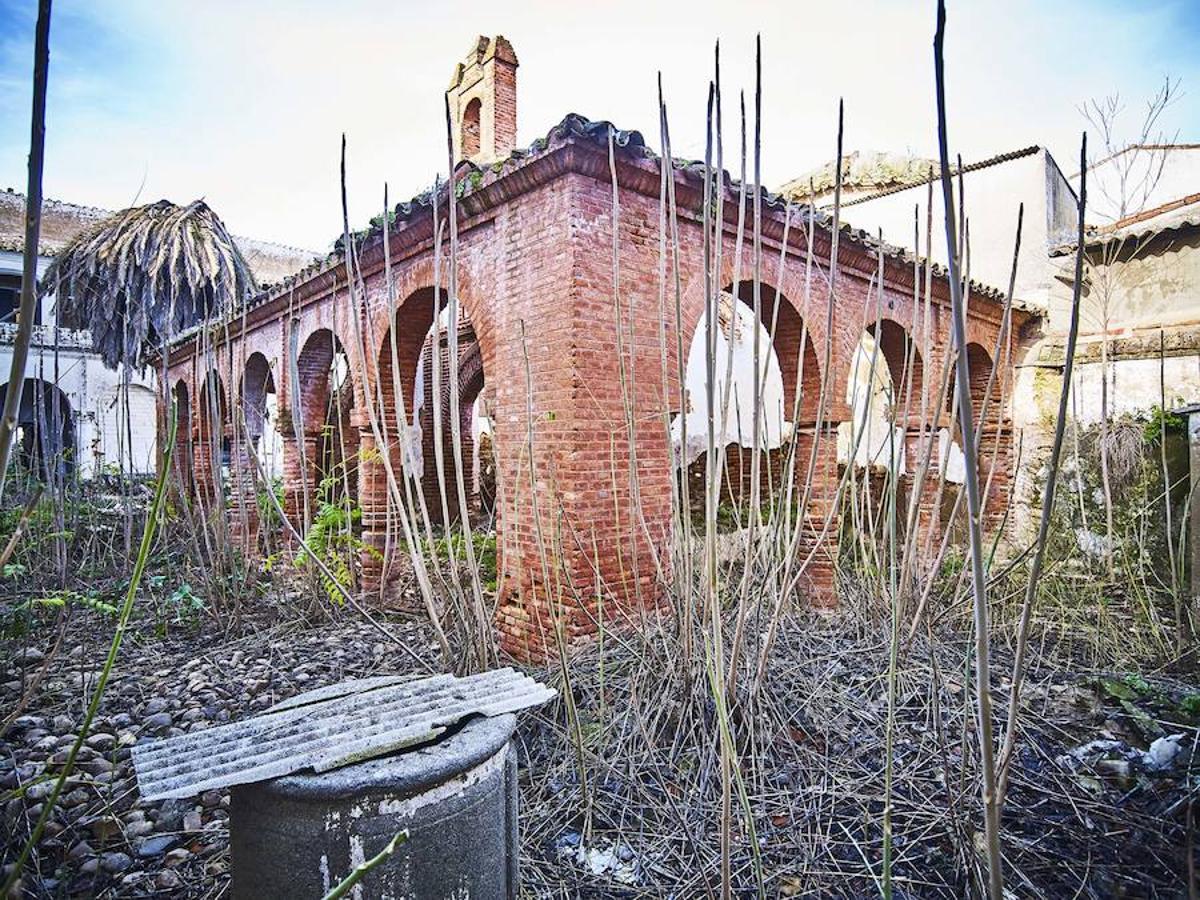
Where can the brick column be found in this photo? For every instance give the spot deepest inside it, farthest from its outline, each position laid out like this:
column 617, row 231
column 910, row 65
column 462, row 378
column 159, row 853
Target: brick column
column 243, row 496
column 819, row 579
column 998, row 440
column 182, row 465
column 206, row 479
column 373, row 500
column 917, row 441
column 299, row 475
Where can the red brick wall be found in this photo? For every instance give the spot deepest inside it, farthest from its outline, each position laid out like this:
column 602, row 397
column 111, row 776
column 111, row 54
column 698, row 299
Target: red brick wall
column 535, row 278
column 504, row 75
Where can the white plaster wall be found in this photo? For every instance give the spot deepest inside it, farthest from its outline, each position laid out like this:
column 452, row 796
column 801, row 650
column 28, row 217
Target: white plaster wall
column 737, row 426
column 92, row 391
column 1151, row 178
column 869, row 393
column 1135, row 386
column 992, row 198
column 114, row 434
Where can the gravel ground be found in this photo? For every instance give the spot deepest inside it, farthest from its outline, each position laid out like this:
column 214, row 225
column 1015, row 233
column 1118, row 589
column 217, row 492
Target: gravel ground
column 1091, row 812
column 101, row 841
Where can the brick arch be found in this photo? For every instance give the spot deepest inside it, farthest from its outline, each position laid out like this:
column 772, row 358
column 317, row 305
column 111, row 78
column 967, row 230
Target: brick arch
column 979, row 366
column 786, row 282
column 470, row 373
column 399, row 353
column 792, row 343
column 423, row 275
column 258, row 381
column 905, row 365
column 315, row 392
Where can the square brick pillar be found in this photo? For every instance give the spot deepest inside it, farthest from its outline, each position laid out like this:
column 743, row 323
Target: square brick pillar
column 299, row 476
column 819, row 582
column 373, row 500
column 917, row 441
column 243, row 496
column 207, row 480
column 997, row 441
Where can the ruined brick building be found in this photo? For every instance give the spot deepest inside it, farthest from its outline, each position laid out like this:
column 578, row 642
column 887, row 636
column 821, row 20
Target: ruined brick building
column 569, row 310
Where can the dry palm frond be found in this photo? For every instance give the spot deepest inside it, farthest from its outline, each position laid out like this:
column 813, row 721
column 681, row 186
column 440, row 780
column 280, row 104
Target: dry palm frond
column 145, row 274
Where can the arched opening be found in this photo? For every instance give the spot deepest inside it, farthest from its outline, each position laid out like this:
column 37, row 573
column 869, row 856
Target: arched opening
column 421, row 372
column 212, row 438
column 326, row 400
column 884, row 391
column 470, row 128
column 260, row 409
column 433, row 413
column 788, row 387
column 984, row 402
column 884, row 396
column 183, row 437
column 44, row 442
column 979, row 368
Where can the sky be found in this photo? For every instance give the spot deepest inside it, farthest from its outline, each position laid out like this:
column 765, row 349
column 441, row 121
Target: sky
column 244, row 104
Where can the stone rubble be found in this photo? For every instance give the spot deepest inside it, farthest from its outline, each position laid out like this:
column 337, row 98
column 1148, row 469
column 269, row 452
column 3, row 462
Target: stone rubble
column 100, row 841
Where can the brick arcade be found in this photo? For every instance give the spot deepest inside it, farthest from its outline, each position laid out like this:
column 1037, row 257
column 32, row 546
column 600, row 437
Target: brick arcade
column 538, row 348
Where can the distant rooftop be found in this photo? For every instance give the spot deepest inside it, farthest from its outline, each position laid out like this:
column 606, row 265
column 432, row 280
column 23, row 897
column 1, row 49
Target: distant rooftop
column 861, row 171
column 62, row 222
column 867, row 175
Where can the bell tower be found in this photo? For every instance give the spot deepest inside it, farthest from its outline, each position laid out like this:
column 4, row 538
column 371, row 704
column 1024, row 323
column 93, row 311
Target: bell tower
column 483, row 102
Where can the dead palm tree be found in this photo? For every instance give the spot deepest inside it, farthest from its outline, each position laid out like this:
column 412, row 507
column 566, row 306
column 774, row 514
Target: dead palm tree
column 145, row 274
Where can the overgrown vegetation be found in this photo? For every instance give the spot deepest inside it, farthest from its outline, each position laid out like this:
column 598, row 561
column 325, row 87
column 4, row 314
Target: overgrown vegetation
column 978, row 716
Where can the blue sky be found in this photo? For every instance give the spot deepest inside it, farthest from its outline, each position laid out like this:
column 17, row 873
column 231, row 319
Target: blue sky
column 244, row 104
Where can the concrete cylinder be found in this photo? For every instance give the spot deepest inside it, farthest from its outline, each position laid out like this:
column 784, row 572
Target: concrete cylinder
column 300, row 835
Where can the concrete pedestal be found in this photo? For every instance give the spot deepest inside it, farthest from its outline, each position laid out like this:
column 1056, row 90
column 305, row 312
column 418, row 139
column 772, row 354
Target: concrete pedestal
column 300, row 835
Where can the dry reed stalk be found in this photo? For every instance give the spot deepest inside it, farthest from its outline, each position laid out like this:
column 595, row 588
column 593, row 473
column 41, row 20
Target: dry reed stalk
column 979, row 585
column 27, row 305
column 481, row 625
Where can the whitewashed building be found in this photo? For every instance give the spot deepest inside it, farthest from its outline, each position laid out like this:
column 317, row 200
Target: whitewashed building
column 73, row 406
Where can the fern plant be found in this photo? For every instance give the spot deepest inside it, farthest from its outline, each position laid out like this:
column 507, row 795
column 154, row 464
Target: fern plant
column 333, row 537
column 16, row 621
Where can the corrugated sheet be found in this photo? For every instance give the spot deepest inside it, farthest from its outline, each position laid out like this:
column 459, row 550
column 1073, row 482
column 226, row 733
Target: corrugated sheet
column 326, row 729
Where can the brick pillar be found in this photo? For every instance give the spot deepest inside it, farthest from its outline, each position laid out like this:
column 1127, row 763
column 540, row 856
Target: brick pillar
column 586, row 520
column 373, row 500
column 917, row 441
column 243, row 496
column 299, row 475
column 819, row 579
column 182, row 465
column 997, row 440
column 203, row 462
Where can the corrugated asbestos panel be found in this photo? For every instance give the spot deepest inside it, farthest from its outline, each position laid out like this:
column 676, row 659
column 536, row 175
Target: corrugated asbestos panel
column 327, row 728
